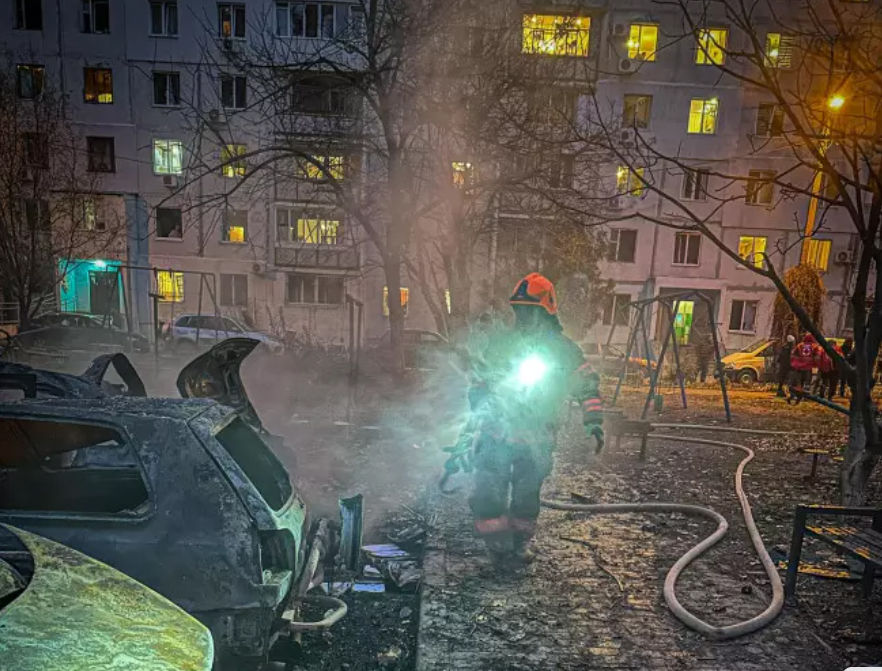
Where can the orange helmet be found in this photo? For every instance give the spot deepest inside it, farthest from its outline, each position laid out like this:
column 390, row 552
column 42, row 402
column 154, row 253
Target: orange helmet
column 535, row 289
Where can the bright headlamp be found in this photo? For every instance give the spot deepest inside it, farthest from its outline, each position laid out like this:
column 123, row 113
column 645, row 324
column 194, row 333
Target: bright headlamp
column 531, row 370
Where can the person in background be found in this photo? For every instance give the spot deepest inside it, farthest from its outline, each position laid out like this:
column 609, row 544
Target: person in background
column 826, row 370
column 592, row 405
column 782, row 363
column 802, row 362
column 847, row 354
column 832, row 377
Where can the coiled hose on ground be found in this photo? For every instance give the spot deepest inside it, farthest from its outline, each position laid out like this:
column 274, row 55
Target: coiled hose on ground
column 680, row 612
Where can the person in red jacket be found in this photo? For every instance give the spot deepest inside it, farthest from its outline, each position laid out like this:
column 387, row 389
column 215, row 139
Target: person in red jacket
column 802, row 360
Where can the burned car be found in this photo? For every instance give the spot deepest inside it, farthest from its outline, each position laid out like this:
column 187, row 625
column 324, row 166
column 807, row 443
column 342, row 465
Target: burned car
column 54, row 619
column 184, row 495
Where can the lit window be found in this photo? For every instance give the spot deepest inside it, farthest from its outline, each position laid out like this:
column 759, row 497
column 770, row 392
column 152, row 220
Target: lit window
column 703, row 116
column 630, row 181
column 232, row 160
column 164, row 18
column 447, row 300
column 817, row 253
column 318, row 231
column 711, row 46
column 760, row 187
column 328, row 167
column 405, row 298
column 168, row 157
column 683, row 321
column 29, row 80
column 231, row 20
column 779, row 51
column 97, row 86
column 687, row 247
column 752, row 249
column 642, row 42
column 637, row 110
column 462, row 173
column 170, row 286
column 556, row 35
column 742, row 317
column 235, row 225
column 695, row 184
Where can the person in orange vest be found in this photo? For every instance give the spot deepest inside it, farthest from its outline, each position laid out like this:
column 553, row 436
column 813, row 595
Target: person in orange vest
column 522, row 381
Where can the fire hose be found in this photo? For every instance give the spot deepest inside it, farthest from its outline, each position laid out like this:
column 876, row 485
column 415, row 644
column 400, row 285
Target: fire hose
column 679, row 611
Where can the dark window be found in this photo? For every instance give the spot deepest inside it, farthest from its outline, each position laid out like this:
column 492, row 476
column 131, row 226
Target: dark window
column 233, row 290
column 314, row 95
column 760, row 187
column 98, row 85
column 257, row 462
column 637, row 111
column 686, row 248
column 234, row 91
column 29, row 80
column 166, row 88
column 68, row 467
column 770, row 120
column 36, row 149
column 618, row 305
column 37, row 216
column 231, row 20
column 695, row 184
column 322, row 289
column 96, row 16
column 622, row 245
column 101, row 154
column 164, row 18
column 169, row 223
column 29, row 14
column 743, row 316
column 562, row 172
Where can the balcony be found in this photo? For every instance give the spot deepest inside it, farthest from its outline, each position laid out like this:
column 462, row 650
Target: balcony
column 330, row 257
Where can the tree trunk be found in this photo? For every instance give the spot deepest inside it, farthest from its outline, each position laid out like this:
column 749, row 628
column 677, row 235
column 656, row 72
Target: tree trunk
column 859, row 462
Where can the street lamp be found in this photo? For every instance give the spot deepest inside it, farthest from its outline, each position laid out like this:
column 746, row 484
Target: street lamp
column 834, row 103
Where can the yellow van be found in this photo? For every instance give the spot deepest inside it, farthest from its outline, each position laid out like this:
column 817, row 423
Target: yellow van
column 756, row 362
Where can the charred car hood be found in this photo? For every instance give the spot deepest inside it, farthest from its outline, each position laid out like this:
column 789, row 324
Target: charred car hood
column 215, row 375
column 78, row 614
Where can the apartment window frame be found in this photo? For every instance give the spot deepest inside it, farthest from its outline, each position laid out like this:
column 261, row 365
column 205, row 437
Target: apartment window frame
column 335, row 168
column 637, row 50
column 234, row 91
column 91, row 12
column 711, row 43
column 35, row 149
column 320, row 286
column 168, row 149
column 743, row 315
column 687, row 249
column 760, row 187
column 311, row 227
column 546, row 40
column 233, row 289
column 629, row 181
column 234, row 230
column 318, row 96
column 29, row 14
column 170, row 286
column 231, row 20
column 93, row 142
column 708, row 109
column 170, row 220
column 306, row 20
column 617, row 309
column 636, row 110
column 233, row 162
column 463, row 174
column 168, row 18
column 752, row 249
column 621, row 247
column 779, row 50
column 694, row 184
column 35, row 76
column 817, row 253
column 769, row 120
column 404, row 295
column 172, row 88
column 97, row 86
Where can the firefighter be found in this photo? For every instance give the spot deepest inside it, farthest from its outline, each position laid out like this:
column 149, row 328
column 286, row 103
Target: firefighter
column 592, row 405
column 521, row 382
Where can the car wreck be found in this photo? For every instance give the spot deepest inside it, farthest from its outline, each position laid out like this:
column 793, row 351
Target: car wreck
column 182, row 494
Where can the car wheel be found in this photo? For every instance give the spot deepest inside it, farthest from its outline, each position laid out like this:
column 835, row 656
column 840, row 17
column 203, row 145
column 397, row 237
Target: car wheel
column 746, row 377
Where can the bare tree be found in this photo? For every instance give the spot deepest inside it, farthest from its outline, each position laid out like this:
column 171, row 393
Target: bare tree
column 49, row 206
column 812, row 67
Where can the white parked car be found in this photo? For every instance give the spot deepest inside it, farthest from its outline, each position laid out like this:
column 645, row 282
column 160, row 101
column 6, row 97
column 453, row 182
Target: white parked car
column 181, row 334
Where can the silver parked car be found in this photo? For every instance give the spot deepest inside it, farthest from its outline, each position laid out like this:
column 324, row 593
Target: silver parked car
column 187, row 331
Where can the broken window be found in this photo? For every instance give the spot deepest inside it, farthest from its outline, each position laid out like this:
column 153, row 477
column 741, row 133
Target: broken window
column 48, row 465
column 100, row 154
column 257, row 462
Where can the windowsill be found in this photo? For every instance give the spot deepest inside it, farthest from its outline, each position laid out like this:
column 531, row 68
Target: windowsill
column 181, row 239
column 313, row 305
column 701, row 134
column 685, row 265
column 694, row 200
column 162, row 36
column 167, row 174
column 232, row 243
column 765, row 205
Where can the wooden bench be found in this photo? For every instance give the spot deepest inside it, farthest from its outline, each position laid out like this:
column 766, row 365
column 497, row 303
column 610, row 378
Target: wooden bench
column 816, row 453
column 619, row 426
column 861, row 543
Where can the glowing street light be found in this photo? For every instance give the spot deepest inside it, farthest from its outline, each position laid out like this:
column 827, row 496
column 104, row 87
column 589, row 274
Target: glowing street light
column 836, row 102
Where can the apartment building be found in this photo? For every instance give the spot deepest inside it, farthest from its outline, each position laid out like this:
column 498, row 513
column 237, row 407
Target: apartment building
column 167, row 115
